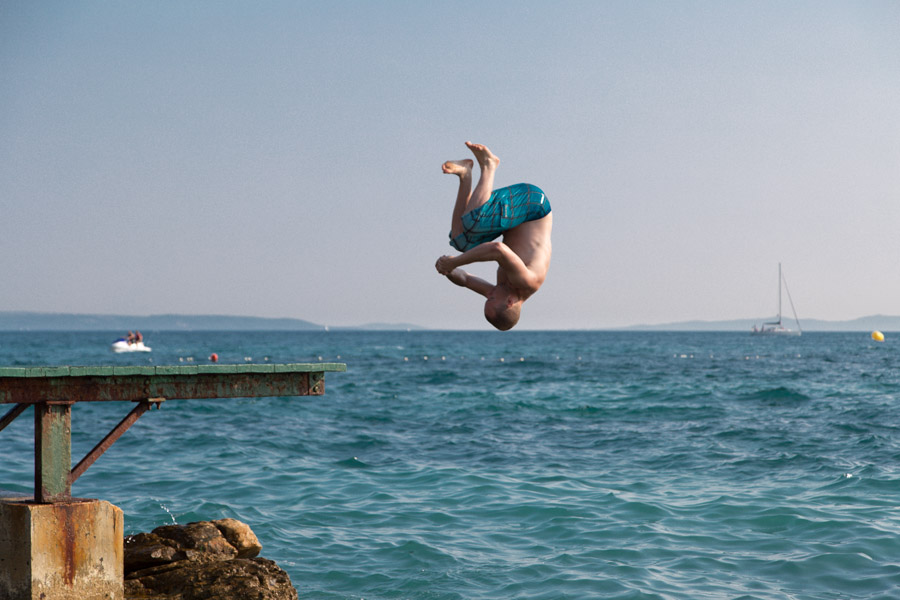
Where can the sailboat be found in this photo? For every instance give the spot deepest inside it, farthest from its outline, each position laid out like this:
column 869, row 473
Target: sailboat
column 777, row 327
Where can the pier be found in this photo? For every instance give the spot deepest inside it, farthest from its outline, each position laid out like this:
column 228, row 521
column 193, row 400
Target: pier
column 56, row 547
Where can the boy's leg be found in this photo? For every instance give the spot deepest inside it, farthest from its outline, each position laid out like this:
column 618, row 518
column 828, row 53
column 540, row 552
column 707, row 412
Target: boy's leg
column 463, row 170
column 488, row 163
column 467, row 200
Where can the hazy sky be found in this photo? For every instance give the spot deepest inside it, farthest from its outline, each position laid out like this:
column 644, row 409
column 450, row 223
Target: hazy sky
column 282, row 159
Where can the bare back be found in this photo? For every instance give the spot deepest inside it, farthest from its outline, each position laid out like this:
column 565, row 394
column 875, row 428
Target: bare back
column 531, row 242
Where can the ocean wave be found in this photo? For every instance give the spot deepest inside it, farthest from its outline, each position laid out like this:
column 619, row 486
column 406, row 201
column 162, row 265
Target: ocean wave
column 777, row 395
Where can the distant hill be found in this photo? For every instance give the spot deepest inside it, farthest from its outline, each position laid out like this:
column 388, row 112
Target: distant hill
column 37, row 321
column 870, row 323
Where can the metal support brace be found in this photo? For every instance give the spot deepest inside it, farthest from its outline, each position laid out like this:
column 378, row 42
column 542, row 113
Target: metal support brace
column 11, row 415
column 112, row 436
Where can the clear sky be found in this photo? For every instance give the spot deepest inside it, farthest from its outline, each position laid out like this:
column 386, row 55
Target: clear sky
column 282, row 159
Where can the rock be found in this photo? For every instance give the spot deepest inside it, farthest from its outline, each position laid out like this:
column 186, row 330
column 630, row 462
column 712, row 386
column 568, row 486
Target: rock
column 235, row 579
column 147, row 550
column 202, row 536
column 240, row 536
column 202, row 561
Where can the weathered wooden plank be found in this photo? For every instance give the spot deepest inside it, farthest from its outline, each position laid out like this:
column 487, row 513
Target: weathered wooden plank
column 134, row 370
column 96, row 371
column 81, row 371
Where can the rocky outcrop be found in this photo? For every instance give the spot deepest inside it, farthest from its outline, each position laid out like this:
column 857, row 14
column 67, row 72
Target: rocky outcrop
column 202, row 561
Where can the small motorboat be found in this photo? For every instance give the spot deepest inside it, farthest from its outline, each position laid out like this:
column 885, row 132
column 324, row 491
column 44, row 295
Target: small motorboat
column 123, row 345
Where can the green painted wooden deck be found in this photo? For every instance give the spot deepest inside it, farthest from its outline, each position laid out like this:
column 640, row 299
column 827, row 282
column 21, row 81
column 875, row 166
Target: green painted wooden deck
column 169, row 370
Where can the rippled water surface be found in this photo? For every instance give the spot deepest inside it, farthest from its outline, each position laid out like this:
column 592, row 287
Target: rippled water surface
column 523, row 465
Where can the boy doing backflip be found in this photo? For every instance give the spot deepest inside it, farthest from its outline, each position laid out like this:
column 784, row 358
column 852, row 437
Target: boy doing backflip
column 521, row 214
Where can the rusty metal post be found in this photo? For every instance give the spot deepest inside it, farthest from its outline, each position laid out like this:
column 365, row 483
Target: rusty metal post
column 52, row 451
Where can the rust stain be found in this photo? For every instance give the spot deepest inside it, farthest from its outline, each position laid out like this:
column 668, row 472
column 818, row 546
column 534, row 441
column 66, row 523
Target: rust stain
column 76, row 546
column 68, row 541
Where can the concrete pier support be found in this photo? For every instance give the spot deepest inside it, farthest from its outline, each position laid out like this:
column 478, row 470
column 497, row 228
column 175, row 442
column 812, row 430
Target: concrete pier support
column 71, row 550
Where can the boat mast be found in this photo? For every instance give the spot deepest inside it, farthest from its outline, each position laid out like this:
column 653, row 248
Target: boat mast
column 777, row 326
column 794, row 310
column 779, row 294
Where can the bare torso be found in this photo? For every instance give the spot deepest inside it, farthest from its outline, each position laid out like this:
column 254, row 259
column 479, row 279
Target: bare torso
column 531, row 242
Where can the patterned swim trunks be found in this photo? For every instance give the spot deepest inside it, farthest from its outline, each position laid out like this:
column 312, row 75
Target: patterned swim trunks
column 506, row 208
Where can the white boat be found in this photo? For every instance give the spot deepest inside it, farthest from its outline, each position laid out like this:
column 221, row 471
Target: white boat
column 122, row 345
column 777, row 327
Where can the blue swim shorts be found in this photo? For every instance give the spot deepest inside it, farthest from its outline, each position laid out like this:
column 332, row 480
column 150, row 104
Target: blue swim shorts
column 506, row 208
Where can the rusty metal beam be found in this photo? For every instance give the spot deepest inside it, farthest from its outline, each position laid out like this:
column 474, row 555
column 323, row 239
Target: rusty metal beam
column 11, row 415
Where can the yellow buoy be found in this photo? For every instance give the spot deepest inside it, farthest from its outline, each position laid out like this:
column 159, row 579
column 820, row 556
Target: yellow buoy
column 877, row 336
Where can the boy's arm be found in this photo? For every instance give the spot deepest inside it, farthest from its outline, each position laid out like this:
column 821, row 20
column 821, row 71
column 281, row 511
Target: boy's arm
column 516, row 272
column 467, row 280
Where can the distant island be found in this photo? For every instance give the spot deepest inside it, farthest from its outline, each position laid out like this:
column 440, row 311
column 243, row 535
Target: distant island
column 40, row 321
column 870, row 323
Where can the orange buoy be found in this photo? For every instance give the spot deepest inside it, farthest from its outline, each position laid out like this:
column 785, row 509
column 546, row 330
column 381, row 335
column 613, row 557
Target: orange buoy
column 214, row 357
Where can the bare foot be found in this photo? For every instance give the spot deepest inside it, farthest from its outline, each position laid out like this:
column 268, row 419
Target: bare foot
column 458, row 167
column 486, row 158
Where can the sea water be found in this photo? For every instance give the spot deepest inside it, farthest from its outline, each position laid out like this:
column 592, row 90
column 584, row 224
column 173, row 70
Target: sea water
column 532, row 465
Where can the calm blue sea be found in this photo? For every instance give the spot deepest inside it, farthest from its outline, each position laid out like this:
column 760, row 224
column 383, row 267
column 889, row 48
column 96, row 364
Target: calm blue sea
column 527, row 465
